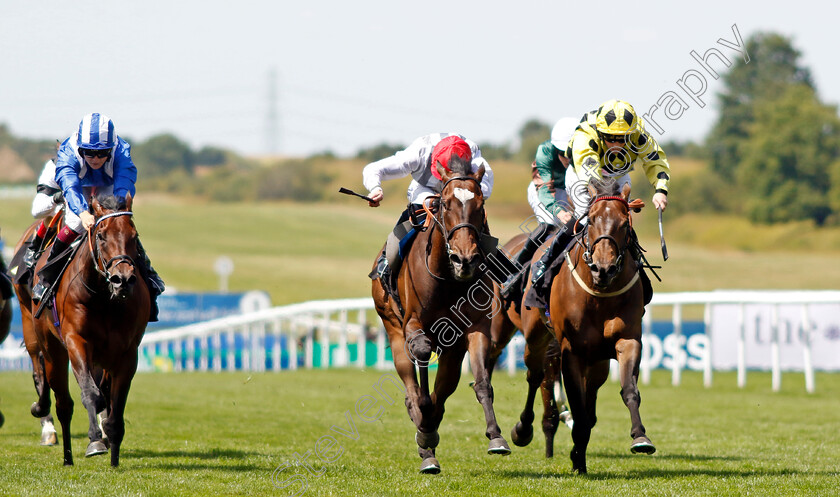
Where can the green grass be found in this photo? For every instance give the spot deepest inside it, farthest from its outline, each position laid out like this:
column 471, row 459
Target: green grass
column 225, row 434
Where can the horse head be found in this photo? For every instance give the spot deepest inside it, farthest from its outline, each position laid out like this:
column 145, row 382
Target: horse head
column 461, row 216
column 608, row 232
column 114, row 244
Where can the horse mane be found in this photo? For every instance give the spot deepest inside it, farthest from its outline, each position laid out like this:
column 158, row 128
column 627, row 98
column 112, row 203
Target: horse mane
column 110, row 202
column 608, row 187
column 459, row 166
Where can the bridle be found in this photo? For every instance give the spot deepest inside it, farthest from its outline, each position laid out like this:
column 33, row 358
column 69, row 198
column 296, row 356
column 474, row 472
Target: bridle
column 589, row 248
column 440, row 222
column 97, row 254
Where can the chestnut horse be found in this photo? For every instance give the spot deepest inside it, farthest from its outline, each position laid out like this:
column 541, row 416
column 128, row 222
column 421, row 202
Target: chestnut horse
column 438, row 276
column 99, row 313
column 542, row 360
column 596, row 309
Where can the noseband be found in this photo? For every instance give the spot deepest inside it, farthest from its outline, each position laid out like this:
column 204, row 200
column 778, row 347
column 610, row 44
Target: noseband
column 96, row 253
column 589, row 248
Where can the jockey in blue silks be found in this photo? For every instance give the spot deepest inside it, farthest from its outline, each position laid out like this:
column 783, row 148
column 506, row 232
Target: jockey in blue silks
column 93, row 159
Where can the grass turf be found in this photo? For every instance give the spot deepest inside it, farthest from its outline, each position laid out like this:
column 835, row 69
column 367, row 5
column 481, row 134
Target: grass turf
column 226, row 434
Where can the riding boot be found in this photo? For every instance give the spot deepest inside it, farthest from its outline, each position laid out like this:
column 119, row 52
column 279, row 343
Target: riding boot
column 59, row 256
column 153, row 282
column 558, row 245
column 33, row 248
column 535, row 239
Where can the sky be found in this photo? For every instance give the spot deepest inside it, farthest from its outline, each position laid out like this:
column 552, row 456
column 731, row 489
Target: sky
column 341, row 76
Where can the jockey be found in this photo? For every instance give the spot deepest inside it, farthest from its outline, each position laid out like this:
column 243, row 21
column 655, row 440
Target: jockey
column 48, row 200
column 419, row 160
column 95, row 157
column 546, row 194
column 608, row 141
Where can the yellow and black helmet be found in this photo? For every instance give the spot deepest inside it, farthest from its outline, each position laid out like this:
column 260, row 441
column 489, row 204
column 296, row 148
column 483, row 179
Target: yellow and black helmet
column 616, row 117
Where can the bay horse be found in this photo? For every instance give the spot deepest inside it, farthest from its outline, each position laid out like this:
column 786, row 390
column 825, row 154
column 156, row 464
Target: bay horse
column 596, row 307
column 542, row 359
column 99, row 313
column 439, row 275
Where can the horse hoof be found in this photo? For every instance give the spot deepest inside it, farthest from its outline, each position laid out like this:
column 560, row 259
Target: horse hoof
column 642, row 445
column 430, row 466
column 96, row 448
column 521, row 435
column 49, row 438
column 498, row 446
column 427, row 440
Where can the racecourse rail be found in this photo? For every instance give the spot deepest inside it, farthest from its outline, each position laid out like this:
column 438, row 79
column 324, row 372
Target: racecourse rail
column 345, row 333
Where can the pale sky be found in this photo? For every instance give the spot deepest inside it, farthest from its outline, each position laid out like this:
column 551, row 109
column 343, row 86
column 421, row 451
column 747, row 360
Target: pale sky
column 356, row 74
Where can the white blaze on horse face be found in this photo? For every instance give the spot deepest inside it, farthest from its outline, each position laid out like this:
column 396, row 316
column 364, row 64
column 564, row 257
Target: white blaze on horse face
column 464, row 195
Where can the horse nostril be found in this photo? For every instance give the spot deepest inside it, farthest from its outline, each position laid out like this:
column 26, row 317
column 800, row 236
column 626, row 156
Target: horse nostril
column 131, row 279
column 115, row 279
column 612, row 270
column 455, row 259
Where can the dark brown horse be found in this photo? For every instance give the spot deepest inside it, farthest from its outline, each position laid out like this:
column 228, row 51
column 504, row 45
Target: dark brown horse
column 542, row 359
column 99, row 313
column 5, row 318
column 439, row 285
column 596, row 309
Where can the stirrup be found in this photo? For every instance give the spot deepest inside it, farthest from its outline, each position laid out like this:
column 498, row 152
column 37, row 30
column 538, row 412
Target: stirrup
column 538, row 271
column 512, row 282
column 39, row 291
column 29, row 258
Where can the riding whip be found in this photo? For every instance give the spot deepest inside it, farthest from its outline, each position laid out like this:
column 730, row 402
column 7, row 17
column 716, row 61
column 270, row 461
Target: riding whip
column 662, row 237
column 351, row 192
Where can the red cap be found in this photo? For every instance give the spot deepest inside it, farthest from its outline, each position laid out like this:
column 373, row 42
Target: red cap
column 445, row 148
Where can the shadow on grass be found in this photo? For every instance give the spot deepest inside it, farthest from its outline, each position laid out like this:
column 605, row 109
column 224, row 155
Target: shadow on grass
column 655, row 473
column 670, row 457
column 195, row 460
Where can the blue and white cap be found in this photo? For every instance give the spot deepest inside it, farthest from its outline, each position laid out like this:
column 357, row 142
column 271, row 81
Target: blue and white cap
column 96, row 132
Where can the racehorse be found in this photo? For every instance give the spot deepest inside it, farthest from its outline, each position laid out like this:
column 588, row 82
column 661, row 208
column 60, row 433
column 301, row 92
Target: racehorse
column 596, row 307
column 542, row 358
column 439, row 274
column 100, row 309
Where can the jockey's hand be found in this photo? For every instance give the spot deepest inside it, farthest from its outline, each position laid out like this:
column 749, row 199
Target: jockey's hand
column 564, row 216
column 376, row 195
column 87, row 220
column 660, row 201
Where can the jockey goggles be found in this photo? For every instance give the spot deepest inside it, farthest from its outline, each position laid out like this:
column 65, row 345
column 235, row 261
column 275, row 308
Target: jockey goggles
column 95, row 153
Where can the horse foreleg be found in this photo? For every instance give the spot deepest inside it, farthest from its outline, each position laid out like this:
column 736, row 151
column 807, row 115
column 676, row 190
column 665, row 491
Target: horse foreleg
column 551, row 413
column 573, row 370
column 92, row 398
column 57, row 376
column 114, row 424
column 629, row 353
column 523, row 432
column 479, row 345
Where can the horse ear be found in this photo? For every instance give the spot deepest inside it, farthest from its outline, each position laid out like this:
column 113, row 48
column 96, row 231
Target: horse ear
column 625, row 191
column 480, row 173
column 444, row 174
column 95, row 207
column 128, row 201
column 592, row 191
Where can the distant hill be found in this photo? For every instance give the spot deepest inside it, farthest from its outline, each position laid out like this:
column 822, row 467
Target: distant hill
column 13, row 169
